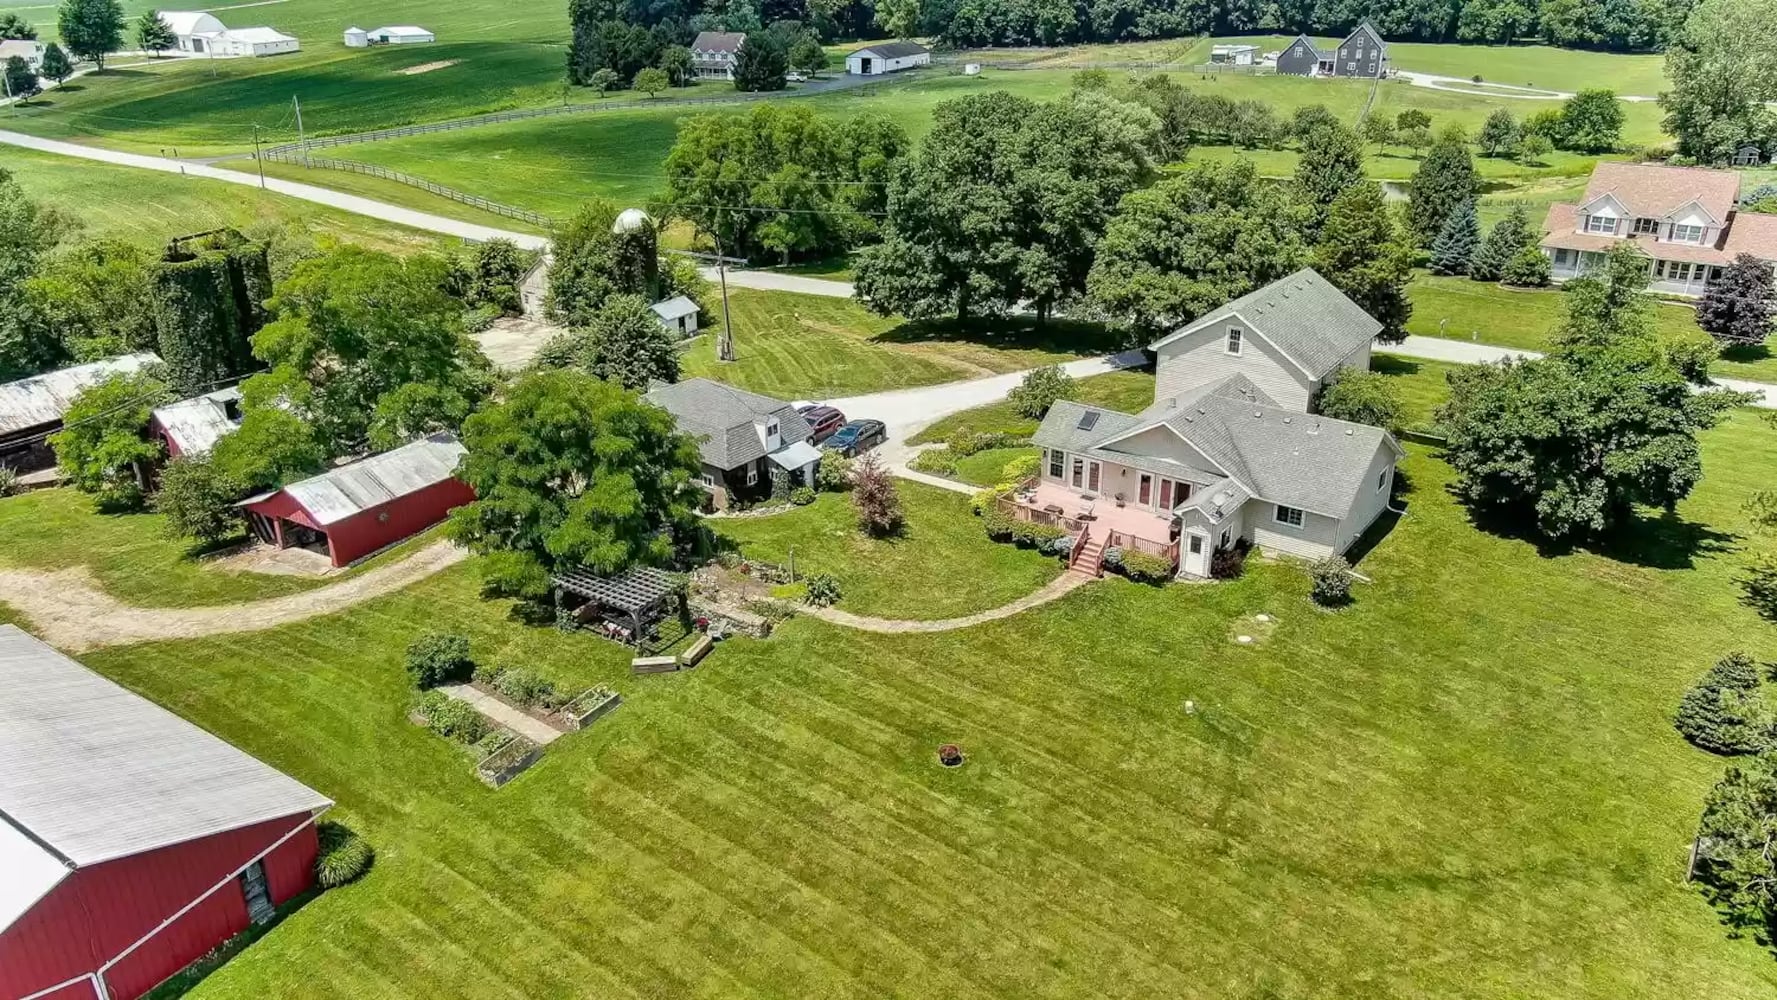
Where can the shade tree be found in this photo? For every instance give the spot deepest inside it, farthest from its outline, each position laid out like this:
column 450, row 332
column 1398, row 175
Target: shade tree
column 101, row 449
column 1365, row 254
column 91, row 29
column 1739, row 307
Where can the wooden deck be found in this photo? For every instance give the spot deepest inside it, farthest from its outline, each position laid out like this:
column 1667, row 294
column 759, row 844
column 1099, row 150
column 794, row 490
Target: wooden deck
column 1127, row 527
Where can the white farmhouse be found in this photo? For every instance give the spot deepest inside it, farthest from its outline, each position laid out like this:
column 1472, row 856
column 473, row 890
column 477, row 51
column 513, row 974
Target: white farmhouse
column 30, row 50
column 887, row 57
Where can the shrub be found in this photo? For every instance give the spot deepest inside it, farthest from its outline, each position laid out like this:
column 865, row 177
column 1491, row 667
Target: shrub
column 525, row 687
column 1021, row 468
column 344, row 856
column 452, row 719
column 1039, row 391
column 936, row 461
column 439, row 658
column 833, row 474
column 986, row 499
column 1228, row 562
column 1032, row 535
column 823, row 591
column 1362, row 397
column 1723, row 712
column 197, row 500
column 874, row 495
column 1331, row 587
column 1061, row 545
column 964, row 442
column 1758, row 587
column 1528, row 268
column 802, row 496
column 1112, row 558
column 998, row 524
column 1144, row 568
column 9, row 483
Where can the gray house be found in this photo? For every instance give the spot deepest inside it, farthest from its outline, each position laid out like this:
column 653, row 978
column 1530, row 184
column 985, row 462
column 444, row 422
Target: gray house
column 1230, row 450
column 746, row 440
column 1363, row 53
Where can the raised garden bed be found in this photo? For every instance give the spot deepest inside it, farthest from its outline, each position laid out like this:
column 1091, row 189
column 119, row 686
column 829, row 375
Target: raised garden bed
column 508, row 762
column 586, row 709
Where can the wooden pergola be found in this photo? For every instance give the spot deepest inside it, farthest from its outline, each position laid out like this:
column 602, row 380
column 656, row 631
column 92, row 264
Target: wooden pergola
column 643, row 594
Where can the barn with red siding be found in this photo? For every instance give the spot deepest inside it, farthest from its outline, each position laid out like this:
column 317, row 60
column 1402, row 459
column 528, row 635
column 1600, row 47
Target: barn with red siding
column 354, row 510
column 131, row 841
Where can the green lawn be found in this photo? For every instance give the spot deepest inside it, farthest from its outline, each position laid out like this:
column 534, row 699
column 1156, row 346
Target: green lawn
column 1568, row 70
column 1419, row 384
column 147, row 206
column 1464, row 786
column 809, row 346
column 1129, row 391
column 132, row 559
column 942, row 566
column 987, row 468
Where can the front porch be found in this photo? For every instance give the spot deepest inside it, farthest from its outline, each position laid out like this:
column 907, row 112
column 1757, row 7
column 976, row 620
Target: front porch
column 1102, row 521
column 1671, row 277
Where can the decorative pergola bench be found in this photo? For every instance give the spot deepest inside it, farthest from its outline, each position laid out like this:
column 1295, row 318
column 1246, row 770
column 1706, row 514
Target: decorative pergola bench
column 636, row 601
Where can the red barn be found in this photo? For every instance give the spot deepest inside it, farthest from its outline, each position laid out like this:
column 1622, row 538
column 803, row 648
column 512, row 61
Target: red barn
column 131, row 841
column 357, row 509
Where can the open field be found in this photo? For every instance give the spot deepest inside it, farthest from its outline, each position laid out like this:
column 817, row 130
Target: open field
column 148, row 207
column 1391, row 801
column 892, row 577
column 807, row 346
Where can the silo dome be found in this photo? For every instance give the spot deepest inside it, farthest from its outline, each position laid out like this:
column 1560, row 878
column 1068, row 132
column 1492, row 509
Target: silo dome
column 631, row 220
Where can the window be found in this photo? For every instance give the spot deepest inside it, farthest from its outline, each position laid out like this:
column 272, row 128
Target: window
column 1079, row 477
column 752, row 475
column 1144, row 493
column 1350, row 67
column 1602, row 224
column 1563, row 257
column 1297, row 50
column 1234, row 340
column 771, row 427
column 1687, row 234
column 1181, row 492
column 1224, row 538
column 1055, row 465
column 1196, row 545
column 707, row 480
column 1382, row 481
column 1291, row 516
column 1166, row 495
column 1647, row 227
column 1092, row 477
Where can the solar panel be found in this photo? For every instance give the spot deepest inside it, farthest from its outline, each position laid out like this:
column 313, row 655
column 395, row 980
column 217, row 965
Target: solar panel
column 1088, row 420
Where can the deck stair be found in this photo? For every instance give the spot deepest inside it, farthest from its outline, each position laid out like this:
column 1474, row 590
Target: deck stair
column 1089, row 557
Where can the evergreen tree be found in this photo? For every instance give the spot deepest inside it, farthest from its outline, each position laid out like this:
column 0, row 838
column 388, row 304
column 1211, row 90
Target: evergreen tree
column 1508, row 236
column 1737, row 309
column 1364, row 254
column 56, row 65
column 1444, row 182
column 1457, row 242
column 762, row 63
column 21, row 82
column 153, row 33
column 1723, row 712
column 1332, row 160
column 91, row 29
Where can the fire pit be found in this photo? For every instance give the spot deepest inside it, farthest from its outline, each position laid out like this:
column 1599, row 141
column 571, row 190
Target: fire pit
column 950, row 755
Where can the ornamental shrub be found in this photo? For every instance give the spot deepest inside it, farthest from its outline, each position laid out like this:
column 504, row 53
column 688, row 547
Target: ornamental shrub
column 525, row 687
column 1021, row 468
column 936, row 461
column 1144, row 568
column 344, row 856
column 1332, row 582
column 823, row 591
column 877, row 501
column 1112, row 558
column 1528, row 268
column 998, row 524
column 802, row 496
column 9, row 483
column 833, row 474
column 1724, row 711
column 1228, row 562
column 439, row 658
column 1031, row 534
column 964, row 442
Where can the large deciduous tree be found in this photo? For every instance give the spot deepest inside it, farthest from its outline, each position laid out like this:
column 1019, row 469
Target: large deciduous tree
column 101, row 449
column 1202, row 236
column 1443, row 184
column 91, row 29
column 1592, row 121
column 56, row 65
column 1332, row 160
column 21, row 79
column 197, row 500
column 571, row 471
column 1723, row 67
column 27, row 233
column 1499, row 134
column 1738, row 307
column 625, row 343
column 1368, row 257
column 14, row 25
column 761, row 64
column 96, row 297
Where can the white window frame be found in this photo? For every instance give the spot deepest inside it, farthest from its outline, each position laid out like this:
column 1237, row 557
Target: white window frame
column 1687, row 234
column 1601, row 225
column 1225, row 538
column 1077, row 473
column 1057, row 464
column 707, row 480
column 1382, row 480
column 1288, row 516
column 752, row 474
column 1234, row 342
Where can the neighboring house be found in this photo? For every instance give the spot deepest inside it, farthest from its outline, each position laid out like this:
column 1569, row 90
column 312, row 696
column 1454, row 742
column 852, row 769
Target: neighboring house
column 131, row 842
column 714, row 53
column 1233, row 55
column 31, row 409
column 200, row 32
column 193, row 426
column 1363, row 53
column 401, row 34
column 1229, row 450
column 1681, row 218
column 741, row 436
column 357, row 509
column 678, row 314
column 30, row 50
column 887, row 57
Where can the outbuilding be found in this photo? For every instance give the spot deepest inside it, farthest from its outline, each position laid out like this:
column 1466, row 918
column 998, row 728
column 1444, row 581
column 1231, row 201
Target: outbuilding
column 678, row 314
column 31, row 409
column 131, row 842
column 357, row 38
column 193, row 426
column 887, row 57
column 194, row 30
column 1234, row 55
column 401, row 34
column 357, row 509
column 255, row 42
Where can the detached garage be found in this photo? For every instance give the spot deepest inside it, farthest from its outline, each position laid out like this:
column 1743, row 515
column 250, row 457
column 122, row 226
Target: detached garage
column 887, row 57
column 357, row 509
column 131, row 841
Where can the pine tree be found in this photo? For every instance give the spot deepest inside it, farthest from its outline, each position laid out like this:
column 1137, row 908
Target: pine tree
column 1445, row 181
column 1723, row 712
column 1454, row 249
column 761, row 64
column 1737, row 309
column 154, row 34
column 1508, row 236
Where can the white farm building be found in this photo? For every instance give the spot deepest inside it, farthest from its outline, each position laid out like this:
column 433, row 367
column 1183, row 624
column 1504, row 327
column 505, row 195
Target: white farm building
column 401, row 34
column 887, row 57
column 201, row 33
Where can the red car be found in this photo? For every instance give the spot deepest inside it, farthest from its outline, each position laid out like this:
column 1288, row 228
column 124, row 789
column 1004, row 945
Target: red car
column 822, row 421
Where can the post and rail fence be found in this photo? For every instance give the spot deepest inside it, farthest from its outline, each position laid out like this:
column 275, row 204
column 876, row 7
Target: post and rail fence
column 296, row 158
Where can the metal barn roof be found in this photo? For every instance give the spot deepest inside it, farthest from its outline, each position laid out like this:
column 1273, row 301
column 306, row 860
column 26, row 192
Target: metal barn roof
column 196, row 424
column 42, row 399
column 352, row 489
column 31, row 871
column 93, row 772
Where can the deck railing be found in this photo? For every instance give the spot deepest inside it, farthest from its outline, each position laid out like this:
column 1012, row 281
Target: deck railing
column 1073, row 525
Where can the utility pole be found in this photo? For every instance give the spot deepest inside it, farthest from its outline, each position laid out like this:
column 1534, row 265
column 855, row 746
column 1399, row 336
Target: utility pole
column 301, row 136
column 724, row 345
column 257, row 158
column 7, row 84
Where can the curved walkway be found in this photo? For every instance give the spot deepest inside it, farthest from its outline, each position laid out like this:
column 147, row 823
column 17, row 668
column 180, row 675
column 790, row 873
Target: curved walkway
column 68, row 610
column 1057, row 588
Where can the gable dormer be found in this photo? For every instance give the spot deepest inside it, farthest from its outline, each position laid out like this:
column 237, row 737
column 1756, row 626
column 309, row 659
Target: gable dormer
column 1605, row 215
column 1690, row 224
column 770, row 433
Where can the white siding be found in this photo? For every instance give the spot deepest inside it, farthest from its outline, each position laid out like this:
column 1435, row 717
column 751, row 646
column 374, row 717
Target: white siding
column 1161, row 442
column 1201, row 358
column 1318, row 536
column 1370, row 500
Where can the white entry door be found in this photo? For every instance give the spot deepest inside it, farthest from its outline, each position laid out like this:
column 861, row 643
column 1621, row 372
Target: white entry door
column 1195, row 553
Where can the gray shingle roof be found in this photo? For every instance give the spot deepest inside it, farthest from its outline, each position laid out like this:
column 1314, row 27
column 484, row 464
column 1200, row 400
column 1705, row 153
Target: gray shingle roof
column 96, row 772
column 1309, row 320
column 722, row 418
column 892, row 50
column 350, row 489
column 718, row 41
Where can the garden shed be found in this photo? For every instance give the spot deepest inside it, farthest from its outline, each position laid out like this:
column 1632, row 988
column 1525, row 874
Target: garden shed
column 131, row 841
column 354, row 510
column 627, row 606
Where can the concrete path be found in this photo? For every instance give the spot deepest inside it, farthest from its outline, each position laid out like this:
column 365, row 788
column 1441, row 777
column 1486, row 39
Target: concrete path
column 1057, row 588
column 540, row 733
column 777, row 281
column 69, row 610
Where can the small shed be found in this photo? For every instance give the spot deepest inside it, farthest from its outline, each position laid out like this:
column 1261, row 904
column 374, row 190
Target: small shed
column 1234, row 55
column 193, row 426
column 887, row 57
column 1748, row 156
column 31, row 408
column 628, row 606
column 678, row 314
column 355, row 510
column 401, row 34
column 357, row 38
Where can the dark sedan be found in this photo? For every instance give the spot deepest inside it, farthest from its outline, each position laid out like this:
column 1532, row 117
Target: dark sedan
column 857, row 437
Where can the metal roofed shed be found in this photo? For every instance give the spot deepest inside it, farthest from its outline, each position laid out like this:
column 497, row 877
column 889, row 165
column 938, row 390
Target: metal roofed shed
column 355, row 510
column 125, row 832
column 193, row 426
column 31, row 408
column 678, row 314
column 887, row 57
column 640, row 595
